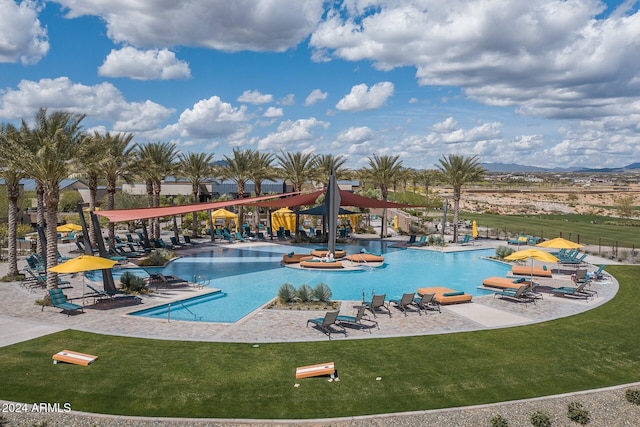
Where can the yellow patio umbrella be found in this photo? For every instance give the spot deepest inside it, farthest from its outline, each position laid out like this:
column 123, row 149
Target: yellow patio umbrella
column 560, row 243
column 532, row 254
column 474, row 229
column 83, row 263
column 67, row 228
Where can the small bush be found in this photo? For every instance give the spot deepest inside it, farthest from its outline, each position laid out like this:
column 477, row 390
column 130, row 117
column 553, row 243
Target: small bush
column 633, row 396
column 540, row 419
column 157, row 258
column 577, row 413
column 322, row 292
column 503, row 251
column 304, row 293
column 499, row 421
column 132, row 283
column 286, row 293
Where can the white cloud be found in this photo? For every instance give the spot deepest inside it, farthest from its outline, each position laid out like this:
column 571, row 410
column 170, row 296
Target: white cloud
column 289, row 132
column 362, row 97
column 22, row 37
column 288, row 100
column 156, row 64
column 212, row 118
column 316, row 95
column 275, row 25
column 101, row 102
column 255, row 97
column 557, row 59
column 273, row 112
column 448, row 125
column 355, row 135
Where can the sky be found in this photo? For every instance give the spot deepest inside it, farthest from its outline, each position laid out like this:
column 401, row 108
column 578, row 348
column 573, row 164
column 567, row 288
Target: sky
column 548, row 83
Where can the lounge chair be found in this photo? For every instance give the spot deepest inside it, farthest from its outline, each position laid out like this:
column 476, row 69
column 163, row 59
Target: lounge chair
column 326, row 323
column 60, row 301
column 175, row 242
column 427, row 302
column 404, row 302
column 99, row 295
column 357, row 320
column 526, row 270
column 188, row 240
column 422, row 241
column 161, row 279
column 411, row 241
column 597, row 274
column 578, row 291
column 445, row 295
column 505, row 282
column 574, row 261
column 519, row 295
column 41, row 279
column 377, row 301
column 580, row 276
column 467, row 239
column 520, row 240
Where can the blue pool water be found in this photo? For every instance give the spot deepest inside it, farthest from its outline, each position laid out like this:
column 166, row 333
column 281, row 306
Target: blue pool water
column 249, row 277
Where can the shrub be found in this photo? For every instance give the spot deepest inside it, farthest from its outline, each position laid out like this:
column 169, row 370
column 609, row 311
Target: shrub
column 286, row 293
column 577, row 413
column 499, row 421
column 157, row 257
column 304, row 293
column 322, row 292
column 540, row 419
column 633, row 396
column 503, row 251
column 132, row 283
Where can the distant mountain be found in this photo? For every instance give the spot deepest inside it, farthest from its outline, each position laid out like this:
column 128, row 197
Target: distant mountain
column 514, row 168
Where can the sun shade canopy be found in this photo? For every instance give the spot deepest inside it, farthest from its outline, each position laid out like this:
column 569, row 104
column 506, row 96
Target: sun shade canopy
column 118, row 215
column 346, row 199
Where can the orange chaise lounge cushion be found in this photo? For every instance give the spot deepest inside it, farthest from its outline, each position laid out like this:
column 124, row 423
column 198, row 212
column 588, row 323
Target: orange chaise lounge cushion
column 442, row 297
column 523, row 270
column 504, row 282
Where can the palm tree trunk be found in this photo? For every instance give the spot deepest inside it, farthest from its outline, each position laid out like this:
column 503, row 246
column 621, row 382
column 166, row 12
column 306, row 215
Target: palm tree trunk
column 149, row 184
column 157, row 188
column 456, row 209
column 194, row 215
column 14, row 192
column 111, row 192
column 53, row 197
column 40, row 216
column 93, row 196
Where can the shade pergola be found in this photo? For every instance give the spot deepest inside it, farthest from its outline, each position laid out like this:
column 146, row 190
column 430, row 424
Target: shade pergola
column 346, row 199
column 119, row 215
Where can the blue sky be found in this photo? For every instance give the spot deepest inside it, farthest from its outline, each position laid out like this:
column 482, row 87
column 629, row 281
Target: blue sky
column 549, row 83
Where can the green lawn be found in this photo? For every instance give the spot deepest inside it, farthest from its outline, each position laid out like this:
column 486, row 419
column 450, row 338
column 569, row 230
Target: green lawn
column 191, row 379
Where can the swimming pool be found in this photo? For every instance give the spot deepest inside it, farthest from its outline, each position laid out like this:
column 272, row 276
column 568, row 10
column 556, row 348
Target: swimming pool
column 250, row 276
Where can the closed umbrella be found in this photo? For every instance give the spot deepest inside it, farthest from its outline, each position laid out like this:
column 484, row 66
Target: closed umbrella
column 474, row 229
column 83, row 263
column 532, row 254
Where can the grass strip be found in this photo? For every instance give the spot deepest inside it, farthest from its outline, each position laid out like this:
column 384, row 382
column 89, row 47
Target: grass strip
column 145, row 377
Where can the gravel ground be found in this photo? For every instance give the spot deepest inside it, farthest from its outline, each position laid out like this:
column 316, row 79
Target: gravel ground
column 606, row 408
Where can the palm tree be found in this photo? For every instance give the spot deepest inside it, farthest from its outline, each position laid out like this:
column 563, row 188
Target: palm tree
column 88, row 160
column 456, row 171
column 118, row 159
column 384, row 171
column 195, row 168
column 426, row 178
column 12, row 177
column 54, row 144
column 297, row 168
column 325, row 163
column 238, row 169
column 156, row 162
column 262, row 170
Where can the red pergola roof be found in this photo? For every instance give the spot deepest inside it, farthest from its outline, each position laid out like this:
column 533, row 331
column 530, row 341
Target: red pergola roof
column 272, row 201
column 118, row 215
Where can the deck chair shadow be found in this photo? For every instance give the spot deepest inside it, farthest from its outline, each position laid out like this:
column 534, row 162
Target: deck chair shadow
column 427, row 302
column 405, row 302
column 60, row 301
column 326, row 323
column 357, row 320
column 377, row 302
